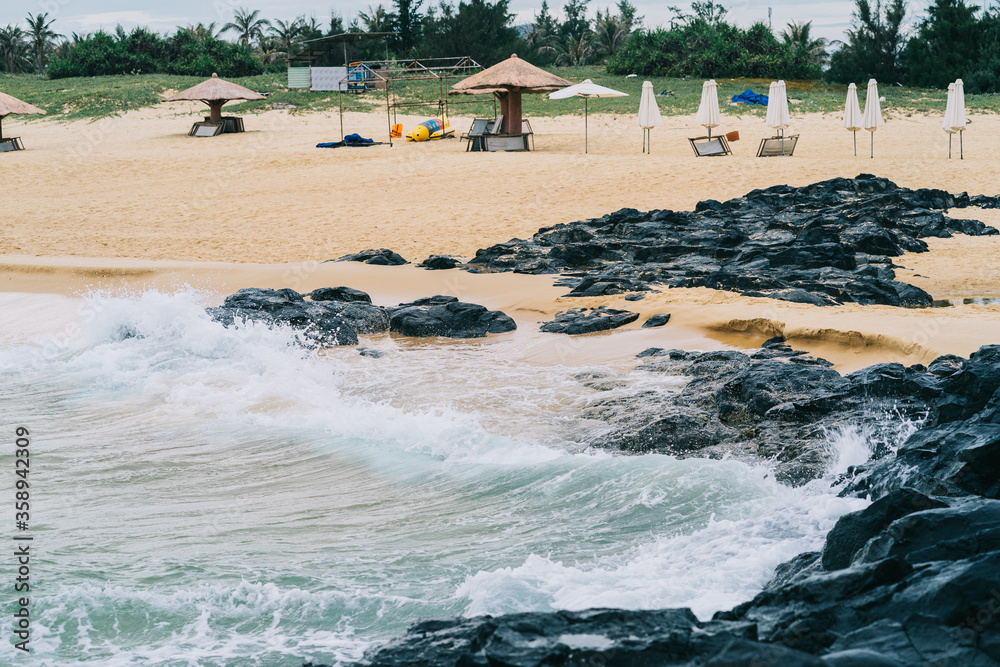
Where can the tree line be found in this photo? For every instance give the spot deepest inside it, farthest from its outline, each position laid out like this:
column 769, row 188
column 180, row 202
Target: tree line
column 951, row 40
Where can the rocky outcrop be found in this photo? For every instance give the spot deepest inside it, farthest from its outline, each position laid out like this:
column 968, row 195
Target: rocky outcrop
column 321, row 323
column 440, row 263
column 447, row 316
column 913, row 579
column 657, row 320
column 823, row 244
column 583, row 320
column 378, row 256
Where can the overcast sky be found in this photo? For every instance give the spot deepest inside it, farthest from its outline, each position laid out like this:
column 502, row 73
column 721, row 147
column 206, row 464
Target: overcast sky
column 829, row 18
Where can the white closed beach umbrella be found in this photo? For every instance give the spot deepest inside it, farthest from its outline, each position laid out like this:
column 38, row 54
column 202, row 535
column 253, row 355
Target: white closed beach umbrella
column 958, row 121
column 777, row 110
column 586, row 90
column 649, row 113
column 708, row 111
column 852, row 114
column 872, row 119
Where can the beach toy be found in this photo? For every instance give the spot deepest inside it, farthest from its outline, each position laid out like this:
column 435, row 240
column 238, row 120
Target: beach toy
column 434, row 128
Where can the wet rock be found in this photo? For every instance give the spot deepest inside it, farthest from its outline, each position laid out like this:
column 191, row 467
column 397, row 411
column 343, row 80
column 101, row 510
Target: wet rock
column 581, row 321
column 319, row 323
column 447, row 316
column 379, row 256
column 439, row 263
column 369, row 352
column 339, row 294
column 657, row 320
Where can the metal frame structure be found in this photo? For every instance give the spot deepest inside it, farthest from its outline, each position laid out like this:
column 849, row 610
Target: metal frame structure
column 390, row 72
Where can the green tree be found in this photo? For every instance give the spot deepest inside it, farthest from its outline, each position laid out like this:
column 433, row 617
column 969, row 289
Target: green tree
column 627, row 16
column 248, row 25
column 576, row 25
column 14, row 49
column 798, row 36
column 336, row 23
column 874, row 45
column 609, row 33
column 945, row 45
column 287, row 35
column 479, row 29
column 42, row 38
column 376, row 19
column 406, row 22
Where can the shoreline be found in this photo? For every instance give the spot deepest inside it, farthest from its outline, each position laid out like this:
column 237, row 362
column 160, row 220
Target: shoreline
column 850, row 336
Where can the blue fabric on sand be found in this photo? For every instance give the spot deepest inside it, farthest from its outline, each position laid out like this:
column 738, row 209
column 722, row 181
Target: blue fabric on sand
column 750, row 97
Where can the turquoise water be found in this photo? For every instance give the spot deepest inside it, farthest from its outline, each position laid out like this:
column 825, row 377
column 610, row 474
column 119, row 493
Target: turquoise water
column 211, row 496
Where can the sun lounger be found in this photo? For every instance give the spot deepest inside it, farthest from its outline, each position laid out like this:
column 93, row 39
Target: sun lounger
column 777, row 146
column 475, row 134
column 8, row 144
column 710, row 146
column 528, row 133
column 206, row 129
column 231, row 124
column 497, row 124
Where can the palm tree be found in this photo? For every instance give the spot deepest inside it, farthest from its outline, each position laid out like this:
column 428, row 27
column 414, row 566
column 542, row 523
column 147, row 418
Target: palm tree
column 574, row 50
column 41, row 36
column 203, row 32
column 247, row 25
column 13, row 49
column 609, row 33
column 797, row 36
column 375, row 19
column 287, row 34
column 267, row 50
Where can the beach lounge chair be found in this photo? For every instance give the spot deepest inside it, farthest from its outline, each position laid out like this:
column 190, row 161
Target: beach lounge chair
column 230, row 124
column 8, row 144
column 710, row 146
column 777, row 146
column 206, row 129
column 475, row 134
column 528, row 133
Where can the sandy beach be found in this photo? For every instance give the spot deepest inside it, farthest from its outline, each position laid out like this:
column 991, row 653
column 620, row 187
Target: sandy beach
column 132, row 202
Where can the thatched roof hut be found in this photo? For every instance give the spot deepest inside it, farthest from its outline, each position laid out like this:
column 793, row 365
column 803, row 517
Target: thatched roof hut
column 11, row 105
column 514, row 77
column 215, row 92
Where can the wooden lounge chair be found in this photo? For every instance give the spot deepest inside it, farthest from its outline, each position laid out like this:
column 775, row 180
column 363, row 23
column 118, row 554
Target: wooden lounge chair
column 777, row 146
column 475, row 134
column 206, row 129
column 710, row 146
column 8, row 144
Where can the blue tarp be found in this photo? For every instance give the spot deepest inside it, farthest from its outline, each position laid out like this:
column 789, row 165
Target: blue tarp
column 750, row 97
column 349, row 140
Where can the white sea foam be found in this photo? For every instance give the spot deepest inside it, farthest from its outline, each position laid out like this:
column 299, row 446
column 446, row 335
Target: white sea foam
column 428, row 483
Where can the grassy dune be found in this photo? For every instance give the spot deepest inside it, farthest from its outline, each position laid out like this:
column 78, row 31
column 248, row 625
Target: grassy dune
column 98, row 97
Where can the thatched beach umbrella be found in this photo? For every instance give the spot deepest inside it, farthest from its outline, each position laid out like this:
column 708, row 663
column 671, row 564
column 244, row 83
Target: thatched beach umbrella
column 215, row 92
column 11, row 105
column 516, row 77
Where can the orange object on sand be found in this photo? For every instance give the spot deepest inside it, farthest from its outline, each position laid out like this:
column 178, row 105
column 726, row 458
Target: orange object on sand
column 733, row 136
column 397, row 131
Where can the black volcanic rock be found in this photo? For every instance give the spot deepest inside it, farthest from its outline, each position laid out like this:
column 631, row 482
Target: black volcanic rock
column 657, row 320
column 339, row 294
column 321, row 323
column 580, row 321
column 447, row 316
column 822, row 244
column 379, row 256
column 913, row 579
column 439, row 263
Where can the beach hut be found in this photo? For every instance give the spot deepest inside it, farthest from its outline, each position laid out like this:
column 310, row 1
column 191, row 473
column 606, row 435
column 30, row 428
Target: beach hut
column 510, row 79
column 954, row 115
column 708, row 111
column 586, row 90
column 852, row 115
column 215, row 92
column 13, row 106
column 872, row 119
column 649, row 114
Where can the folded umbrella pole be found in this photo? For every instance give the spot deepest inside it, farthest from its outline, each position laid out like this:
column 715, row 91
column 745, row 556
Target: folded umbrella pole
column 852, row 115
column 649, row 115
column 708, row 111
column 872, row 119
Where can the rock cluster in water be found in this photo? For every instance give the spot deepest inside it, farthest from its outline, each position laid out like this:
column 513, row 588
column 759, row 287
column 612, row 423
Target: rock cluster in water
column 337, row 315
column 827, row 243
column 913, row 579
